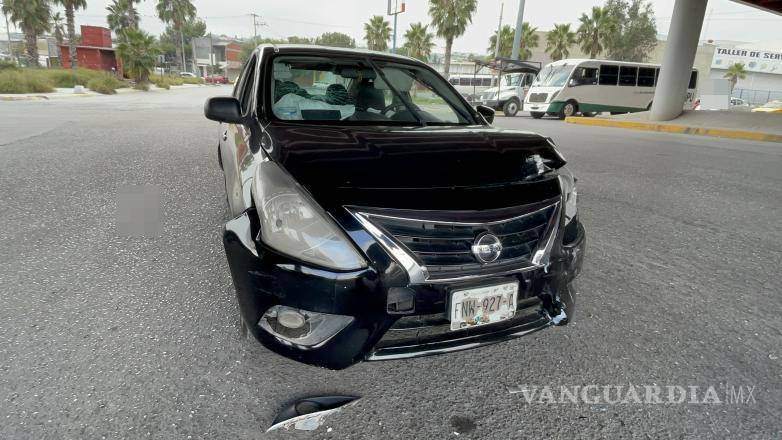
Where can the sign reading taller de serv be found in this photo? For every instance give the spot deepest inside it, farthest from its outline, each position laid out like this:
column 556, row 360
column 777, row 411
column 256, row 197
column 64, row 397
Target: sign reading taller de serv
column 754, row 60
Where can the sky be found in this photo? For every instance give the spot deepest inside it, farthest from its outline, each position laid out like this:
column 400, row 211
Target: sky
column 726, row 20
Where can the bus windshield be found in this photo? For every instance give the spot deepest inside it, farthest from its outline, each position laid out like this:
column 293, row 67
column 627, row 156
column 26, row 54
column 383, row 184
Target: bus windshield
column 553, row 76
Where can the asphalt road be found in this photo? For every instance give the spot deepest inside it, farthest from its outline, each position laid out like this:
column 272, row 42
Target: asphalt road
column 104, row 335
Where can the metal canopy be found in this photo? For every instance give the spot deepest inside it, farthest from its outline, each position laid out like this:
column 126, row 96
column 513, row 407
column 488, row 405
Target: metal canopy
column 509, row 65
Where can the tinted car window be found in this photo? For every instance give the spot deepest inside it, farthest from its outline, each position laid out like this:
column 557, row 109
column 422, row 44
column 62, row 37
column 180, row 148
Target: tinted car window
column 627, row 75
column 249, row 82
column 646, row 77
column 693, row 80
column 609, row 75
column 586, row 76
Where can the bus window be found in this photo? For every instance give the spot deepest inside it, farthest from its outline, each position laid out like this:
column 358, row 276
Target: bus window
column 693, row 80
column 454, row 81
column 586, row 76
column 609, row 75
column 486, row 82
column 646, row 77
column 464, row 81
column 628, row 75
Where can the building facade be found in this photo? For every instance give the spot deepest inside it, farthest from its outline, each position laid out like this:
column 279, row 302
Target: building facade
column 94, row 52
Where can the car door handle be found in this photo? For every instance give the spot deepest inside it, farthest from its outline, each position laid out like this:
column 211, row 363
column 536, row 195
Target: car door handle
column 225, row 135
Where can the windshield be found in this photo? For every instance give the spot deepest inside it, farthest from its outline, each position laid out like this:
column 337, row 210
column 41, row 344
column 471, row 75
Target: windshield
column 554, row 76
column 321, row 89
column 512, row 80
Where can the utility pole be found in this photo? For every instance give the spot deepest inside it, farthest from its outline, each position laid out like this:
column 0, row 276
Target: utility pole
column 497, row 50
column 394, row 8
column 256, row 24
column 517, row 34
column 499, row 30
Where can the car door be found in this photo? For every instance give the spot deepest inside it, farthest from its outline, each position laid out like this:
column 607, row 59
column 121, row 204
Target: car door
column 234, row 141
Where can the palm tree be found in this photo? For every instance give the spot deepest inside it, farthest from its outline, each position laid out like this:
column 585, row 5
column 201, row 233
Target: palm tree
column 559, row 41
column 177, row 13
column 734, row 74
column 594, row 31
column 121, row 16
column 58, row 29
column 32, row 16
column 138, row 51
column 132, row 14
column 377, row 32
column 70, row 7
column 450, row 18
column 506, row 42
column 418, row 42
column 529, row 40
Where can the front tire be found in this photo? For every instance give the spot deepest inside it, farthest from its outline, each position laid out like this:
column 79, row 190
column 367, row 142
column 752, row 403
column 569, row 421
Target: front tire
column 536, row 115
column 569, row 109
column 510, row 108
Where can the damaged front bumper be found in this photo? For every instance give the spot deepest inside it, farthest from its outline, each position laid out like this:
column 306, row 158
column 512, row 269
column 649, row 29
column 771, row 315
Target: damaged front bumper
column 264, row 279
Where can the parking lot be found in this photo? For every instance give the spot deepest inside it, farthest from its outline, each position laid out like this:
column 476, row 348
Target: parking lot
column 108, row 336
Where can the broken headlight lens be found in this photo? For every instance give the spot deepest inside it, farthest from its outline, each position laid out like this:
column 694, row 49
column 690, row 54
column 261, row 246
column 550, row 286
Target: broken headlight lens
column 310, row 330
column 569, row 193
column 294, row 224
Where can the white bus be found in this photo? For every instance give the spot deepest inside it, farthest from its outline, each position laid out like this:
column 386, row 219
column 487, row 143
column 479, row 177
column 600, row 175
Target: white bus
column 568, row 87
column 471, row 86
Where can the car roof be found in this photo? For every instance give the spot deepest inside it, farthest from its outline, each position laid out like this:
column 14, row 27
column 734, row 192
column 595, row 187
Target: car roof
column 282, row 48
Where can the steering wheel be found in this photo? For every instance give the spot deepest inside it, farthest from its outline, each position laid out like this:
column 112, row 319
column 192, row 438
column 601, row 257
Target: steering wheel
column 393, row 106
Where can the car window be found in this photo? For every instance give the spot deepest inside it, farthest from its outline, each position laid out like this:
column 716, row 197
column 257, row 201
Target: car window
column 585, row 76
column 609, row 75
column 316, row 88
column 249, row 83
column 646, row 77
column 627, row 75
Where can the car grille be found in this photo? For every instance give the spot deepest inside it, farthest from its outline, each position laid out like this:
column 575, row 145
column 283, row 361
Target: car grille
column 444, row 248
column 538, row 97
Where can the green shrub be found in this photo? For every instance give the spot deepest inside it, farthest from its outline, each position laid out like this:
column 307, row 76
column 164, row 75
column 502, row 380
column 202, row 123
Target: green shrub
column 191, row 80
column 141, row 86
column 160, row 81
column 23, row 81
column 6, row 65
column 105, row 83
column 67, row 78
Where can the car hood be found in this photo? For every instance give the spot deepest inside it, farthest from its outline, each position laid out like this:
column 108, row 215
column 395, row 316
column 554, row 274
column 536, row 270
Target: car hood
column 387, row 166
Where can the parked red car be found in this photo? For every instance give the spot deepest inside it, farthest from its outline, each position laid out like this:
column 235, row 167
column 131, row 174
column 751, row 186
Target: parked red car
column 216, row 79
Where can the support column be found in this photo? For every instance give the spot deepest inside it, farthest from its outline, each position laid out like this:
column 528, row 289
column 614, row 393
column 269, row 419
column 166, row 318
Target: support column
column 683, row 36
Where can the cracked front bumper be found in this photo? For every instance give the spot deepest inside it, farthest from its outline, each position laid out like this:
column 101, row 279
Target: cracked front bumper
column 263, row 278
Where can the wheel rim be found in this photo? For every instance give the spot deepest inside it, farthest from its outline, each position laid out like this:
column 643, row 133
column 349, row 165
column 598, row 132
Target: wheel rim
column 569, row 110
column 512, row 108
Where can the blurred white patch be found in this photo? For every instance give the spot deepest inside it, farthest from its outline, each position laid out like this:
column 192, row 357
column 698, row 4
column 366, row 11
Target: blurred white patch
column 138, row 211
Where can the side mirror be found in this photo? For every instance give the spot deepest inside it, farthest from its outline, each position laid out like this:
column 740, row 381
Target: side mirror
column 486, row 112
column 572, row 82
column 223, row 109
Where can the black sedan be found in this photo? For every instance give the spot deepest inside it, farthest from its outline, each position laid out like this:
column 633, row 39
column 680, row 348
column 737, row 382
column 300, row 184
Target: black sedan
column 374, row 214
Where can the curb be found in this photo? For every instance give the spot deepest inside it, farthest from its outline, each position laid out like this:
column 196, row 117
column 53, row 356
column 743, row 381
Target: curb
column 677, row 129
column 23, row 98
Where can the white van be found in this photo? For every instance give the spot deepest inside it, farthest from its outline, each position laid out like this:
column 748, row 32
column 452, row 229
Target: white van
column 568, row 87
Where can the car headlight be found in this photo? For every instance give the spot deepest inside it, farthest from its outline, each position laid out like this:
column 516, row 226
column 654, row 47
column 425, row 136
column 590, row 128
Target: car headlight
column 569, row 192
column 294, row 224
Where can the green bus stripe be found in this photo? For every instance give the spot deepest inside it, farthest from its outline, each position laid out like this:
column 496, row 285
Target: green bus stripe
column 556, row 107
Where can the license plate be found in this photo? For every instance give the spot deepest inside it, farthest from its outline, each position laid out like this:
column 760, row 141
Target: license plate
column 483, row 305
